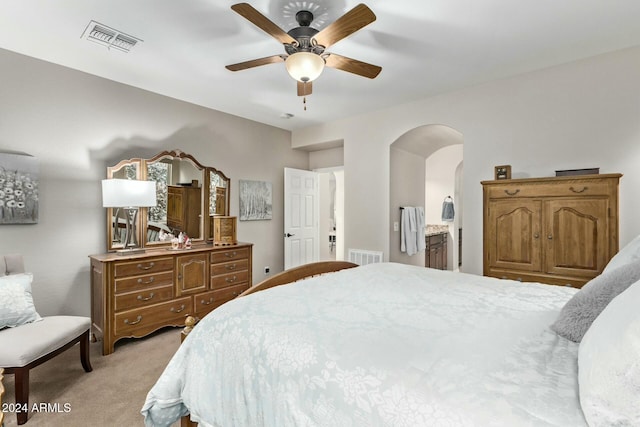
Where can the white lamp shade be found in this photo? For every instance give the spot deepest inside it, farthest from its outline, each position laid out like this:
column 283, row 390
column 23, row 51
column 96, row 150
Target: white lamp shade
column 128, row 193
column 304, row 66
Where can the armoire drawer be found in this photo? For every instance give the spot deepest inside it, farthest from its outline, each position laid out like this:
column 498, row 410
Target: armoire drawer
column 560, row 189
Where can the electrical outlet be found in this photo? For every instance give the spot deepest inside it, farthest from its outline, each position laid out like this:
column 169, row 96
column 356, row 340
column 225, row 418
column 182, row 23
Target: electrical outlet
column 266, row 270
column 396, row 226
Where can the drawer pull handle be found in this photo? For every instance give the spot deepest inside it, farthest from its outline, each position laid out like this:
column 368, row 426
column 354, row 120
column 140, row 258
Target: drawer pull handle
column 578, row 191
column 146, row 267
column 512, row 193
column 230, row 254
column 174, row 310
column 135, row 322
column 231, row 267
column 203, row 302
column 141, row 298
column 230, row 279
column 151, row 279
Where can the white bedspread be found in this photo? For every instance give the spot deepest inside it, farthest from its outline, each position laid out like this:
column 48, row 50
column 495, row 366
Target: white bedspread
column 378, row 345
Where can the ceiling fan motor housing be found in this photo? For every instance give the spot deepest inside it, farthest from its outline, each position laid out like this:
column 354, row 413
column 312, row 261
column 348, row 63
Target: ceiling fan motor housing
column 304, row 35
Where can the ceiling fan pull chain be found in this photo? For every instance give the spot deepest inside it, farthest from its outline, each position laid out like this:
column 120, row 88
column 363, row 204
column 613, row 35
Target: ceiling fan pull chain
column 304, row 102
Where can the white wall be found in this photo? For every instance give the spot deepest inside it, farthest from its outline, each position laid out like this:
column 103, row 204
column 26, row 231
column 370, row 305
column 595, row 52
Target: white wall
column 581, row 114
column 76, row 124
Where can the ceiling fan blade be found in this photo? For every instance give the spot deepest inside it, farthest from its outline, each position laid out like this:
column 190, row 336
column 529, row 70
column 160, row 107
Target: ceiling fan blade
column 255, row 63
column 352, row 66
column 358, row 17
column 259, row 20
column 304, row 89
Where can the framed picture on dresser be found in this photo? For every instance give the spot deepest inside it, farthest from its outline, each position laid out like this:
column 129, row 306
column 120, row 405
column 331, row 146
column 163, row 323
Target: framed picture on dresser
column 502, row 172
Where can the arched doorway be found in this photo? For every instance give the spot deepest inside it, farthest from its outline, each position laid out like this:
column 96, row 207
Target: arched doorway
column 426, row 167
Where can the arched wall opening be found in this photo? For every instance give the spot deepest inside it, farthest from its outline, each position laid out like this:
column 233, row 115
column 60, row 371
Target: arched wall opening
column 425, row 168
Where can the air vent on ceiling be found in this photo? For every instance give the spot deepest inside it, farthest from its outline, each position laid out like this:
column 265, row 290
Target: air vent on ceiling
column 109, row 37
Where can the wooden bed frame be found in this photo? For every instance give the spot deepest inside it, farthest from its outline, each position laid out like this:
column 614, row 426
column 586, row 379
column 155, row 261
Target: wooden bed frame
column 287, row 276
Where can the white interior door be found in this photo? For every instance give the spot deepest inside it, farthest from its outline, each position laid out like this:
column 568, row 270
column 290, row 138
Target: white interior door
column 301, row 211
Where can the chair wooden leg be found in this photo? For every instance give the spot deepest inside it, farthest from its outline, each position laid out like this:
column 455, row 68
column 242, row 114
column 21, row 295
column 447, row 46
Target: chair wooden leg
column 22, row 394
column 85, row 353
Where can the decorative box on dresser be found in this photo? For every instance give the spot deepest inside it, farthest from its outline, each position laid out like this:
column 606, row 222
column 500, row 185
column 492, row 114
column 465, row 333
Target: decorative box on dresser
column 556, row 230
column 135, row 295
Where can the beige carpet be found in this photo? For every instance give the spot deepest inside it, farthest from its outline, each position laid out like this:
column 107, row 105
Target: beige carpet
column 111, row 395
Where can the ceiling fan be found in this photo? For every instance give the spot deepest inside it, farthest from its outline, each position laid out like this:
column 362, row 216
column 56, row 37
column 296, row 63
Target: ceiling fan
column 305, row 47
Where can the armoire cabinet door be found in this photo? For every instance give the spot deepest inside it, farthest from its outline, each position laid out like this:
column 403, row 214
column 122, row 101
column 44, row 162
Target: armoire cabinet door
column 516, row 227
column 575, row 233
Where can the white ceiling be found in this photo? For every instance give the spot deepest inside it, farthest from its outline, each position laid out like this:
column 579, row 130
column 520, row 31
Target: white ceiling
column 425, row 47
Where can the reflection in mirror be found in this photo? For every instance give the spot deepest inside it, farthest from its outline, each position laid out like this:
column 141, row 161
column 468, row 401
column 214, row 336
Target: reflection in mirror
column 117, row 217
column 179, row 196
column 217, row 194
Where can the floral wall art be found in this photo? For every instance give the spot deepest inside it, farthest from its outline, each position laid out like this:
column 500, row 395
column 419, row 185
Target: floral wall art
column 255, row 200
column 18, row 189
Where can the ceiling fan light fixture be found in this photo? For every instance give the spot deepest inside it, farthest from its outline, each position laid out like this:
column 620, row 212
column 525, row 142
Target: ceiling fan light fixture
column 304, row 66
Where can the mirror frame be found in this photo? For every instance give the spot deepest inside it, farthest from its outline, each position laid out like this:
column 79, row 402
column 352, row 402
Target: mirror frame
column 143, row 214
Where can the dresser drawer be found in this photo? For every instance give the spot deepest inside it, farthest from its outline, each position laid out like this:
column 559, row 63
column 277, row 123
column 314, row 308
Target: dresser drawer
column 142, row 282
column 143, row 266
column 164, row 313
column 224, row 280
column 229, row 267
column 207, row 301
column 142, row 298
column 229, row 255
column 560, row 189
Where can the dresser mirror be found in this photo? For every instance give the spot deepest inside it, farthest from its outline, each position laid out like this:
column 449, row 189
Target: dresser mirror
column 187, row 192
column 117, row 217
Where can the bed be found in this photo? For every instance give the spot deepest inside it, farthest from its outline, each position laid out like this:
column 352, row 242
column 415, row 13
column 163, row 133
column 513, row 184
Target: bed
column 387, row 345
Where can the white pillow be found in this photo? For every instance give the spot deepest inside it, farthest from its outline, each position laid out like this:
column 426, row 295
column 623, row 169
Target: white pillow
column 629, row 253
column 16, row 302
column 609, row 364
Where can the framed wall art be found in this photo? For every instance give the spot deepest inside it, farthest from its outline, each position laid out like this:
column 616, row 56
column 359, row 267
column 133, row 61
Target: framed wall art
column 255, row 200
column 18, row 189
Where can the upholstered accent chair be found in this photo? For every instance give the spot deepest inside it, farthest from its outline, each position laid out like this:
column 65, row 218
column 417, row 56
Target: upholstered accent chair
column 28, row 340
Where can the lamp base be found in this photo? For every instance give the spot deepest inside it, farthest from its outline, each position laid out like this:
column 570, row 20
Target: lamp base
column 130, row 251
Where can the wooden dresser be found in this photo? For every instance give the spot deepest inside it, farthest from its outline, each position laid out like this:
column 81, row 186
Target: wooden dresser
column 134, row 295
column 558, row 230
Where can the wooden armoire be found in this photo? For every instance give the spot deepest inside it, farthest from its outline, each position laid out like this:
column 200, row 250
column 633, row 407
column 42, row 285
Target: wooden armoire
column 556, row 230
column 183, row 209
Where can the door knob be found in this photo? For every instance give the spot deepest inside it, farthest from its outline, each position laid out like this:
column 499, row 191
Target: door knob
column 289, row 235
